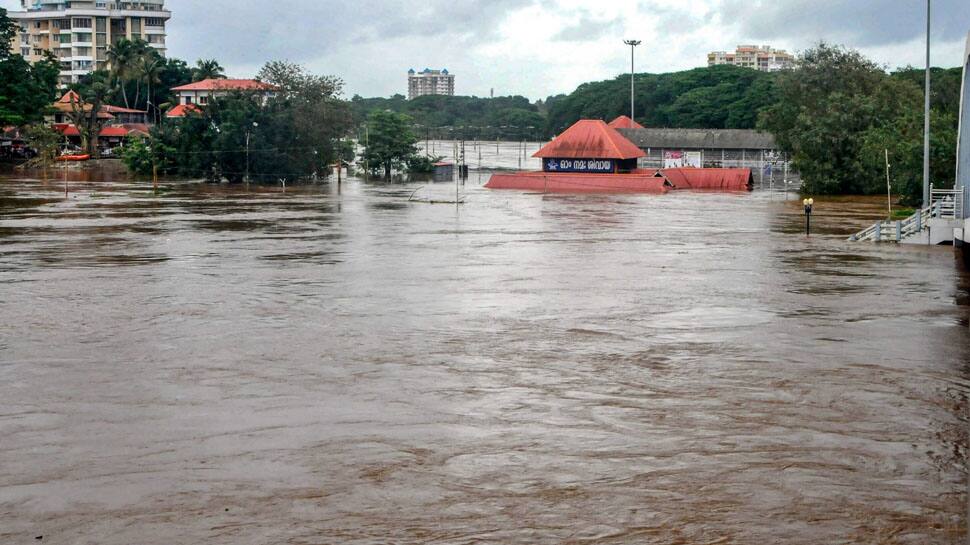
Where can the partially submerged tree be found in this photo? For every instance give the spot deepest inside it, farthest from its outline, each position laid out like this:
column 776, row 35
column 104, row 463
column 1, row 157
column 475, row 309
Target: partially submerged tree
column 390, row 142
column 86, row 102
column 45, row 141
column 837, row 114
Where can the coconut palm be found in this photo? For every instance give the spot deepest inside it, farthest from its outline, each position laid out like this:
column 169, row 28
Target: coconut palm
column 149, row 70
column 121, row 60
column 207, row 69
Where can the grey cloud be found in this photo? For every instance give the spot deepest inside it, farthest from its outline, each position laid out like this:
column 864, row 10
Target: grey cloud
column 307, row 29
column 587, row 30
column 852, row 22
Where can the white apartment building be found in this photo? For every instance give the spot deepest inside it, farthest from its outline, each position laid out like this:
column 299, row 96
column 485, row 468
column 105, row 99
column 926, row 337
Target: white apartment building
column 762, row 58
column 430, row 82
column 79, row 32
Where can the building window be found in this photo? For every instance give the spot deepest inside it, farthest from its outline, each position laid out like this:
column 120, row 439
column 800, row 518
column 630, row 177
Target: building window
column 82, row 23
column 203, row 100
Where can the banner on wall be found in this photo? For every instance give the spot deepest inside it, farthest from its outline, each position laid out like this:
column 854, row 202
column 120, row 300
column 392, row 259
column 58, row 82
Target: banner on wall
column 681, row 159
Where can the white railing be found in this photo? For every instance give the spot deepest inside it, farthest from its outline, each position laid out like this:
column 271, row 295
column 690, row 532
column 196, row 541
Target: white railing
column 950, row 202
column 897, row 231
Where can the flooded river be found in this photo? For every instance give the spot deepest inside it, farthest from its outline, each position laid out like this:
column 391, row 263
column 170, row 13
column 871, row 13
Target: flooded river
column 225, row 365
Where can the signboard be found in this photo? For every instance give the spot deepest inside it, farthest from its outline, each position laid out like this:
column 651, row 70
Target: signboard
column 601, row 166
column 681, row 159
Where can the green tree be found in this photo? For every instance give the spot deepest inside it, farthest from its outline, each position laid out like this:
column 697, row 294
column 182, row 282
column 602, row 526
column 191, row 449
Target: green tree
column 838, row 112
column 294, row 135
column 45, row 141
column 26, row 90
column 122, row 60
column 208, row 69
column 390, row 142
column 86, row 113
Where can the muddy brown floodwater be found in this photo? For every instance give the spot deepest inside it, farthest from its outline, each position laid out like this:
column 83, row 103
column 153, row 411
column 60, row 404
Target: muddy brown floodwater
column 251, row 366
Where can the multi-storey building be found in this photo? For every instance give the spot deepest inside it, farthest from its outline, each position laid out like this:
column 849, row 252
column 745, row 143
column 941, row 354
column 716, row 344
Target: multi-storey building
column 430, row 82
column 79, row 32
column 762, row 58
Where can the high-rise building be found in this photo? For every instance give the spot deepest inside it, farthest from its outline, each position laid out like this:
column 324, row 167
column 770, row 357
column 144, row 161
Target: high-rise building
column 80, row 32
column 430, row 82
column 762, row 58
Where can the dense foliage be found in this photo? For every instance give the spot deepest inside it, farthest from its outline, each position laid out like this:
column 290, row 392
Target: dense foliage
column 389, row 143
column 719, row 97
column 509, row 118
column 295, row 135
column 838, row 113
column 26, row 90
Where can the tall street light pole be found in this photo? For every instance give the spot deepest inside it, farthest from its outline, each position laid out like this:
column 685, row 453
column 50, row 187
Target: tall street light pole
column 633, row 44
column 926, row 114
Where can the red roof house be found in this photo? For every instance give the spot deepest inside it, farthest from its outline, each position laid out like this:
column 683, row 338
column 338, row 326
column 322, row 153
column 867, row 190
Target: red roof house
column 201, row 92
column 227, row 85
column 183, row 110
column 624, row 122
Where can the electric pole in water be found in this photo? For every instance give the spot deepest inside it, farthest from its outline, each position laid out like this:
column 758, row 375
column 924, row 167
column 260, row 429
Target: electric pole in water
column 633, row 44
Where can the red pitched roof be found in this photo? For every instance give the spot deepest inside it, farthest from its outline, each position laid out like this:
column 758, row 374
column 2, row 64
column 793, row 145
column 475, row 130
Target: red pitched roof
column 183, row 110
column 114, row 131
column 70, row 97
column 590, row 139
column 227, row 85
column 624, row 122
column 737, row 179
column 119, row 110
column 137, row 127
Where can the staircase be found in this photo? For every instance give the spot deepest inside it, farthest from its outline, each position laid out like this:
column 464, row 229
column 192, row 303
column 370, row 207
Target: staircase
column 946, row 207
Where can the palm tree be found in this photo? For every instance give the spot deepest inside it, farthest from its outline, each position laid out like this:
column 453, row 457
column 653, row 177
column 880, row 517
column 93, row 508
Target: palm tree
column 207, row 69
column 121, row 59
column 150, row 70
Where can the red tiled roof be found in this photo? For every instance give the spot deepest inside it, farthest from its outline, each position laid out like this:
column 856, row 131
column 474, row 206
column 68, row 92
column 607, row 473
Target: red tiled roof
column 736, row 179
column 69, row 97
column 624, row 122
column 120, row 110
column 183, row 110
column 227, row 85
column 136, row 127
column 590, row 139
column 115, row 131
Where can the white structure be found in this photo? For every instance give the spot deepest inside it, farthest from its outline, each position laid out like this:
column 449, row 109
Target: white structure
column 430, row 82
column 762, row 58
column 962, row 234
column 79, row 32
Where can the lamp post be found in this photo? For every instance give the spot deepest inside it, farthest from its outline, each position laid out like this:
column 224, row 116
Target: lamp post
column 926, row 115
column 633, row 44
column 248, row 132
column 808, row 215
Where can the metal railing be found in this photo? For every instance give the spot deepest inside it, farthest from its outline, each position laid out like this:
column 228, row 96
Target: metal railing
column 950, row 201
column 897, row 231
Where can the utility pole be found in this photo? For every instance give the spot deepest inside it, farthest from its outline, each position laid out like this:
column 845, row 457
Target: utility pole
column 926, row 114
column 248, row 132
column 633, row 44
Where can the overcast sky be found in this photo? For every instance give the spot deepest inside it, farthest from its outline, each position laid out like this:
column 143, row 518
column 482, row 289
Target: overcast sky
column 538, row 48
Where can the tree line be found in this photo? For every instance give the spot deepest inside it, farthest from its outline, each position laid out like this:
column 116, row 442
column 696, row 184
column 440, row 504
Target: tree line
column 836, row 113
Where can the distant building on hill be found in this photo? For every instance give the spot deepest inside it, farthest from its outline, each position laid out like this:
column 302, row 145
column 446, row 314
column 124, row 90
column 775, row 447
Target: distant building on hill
column 79, row 32
column 762, row 58
column 430, row 82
